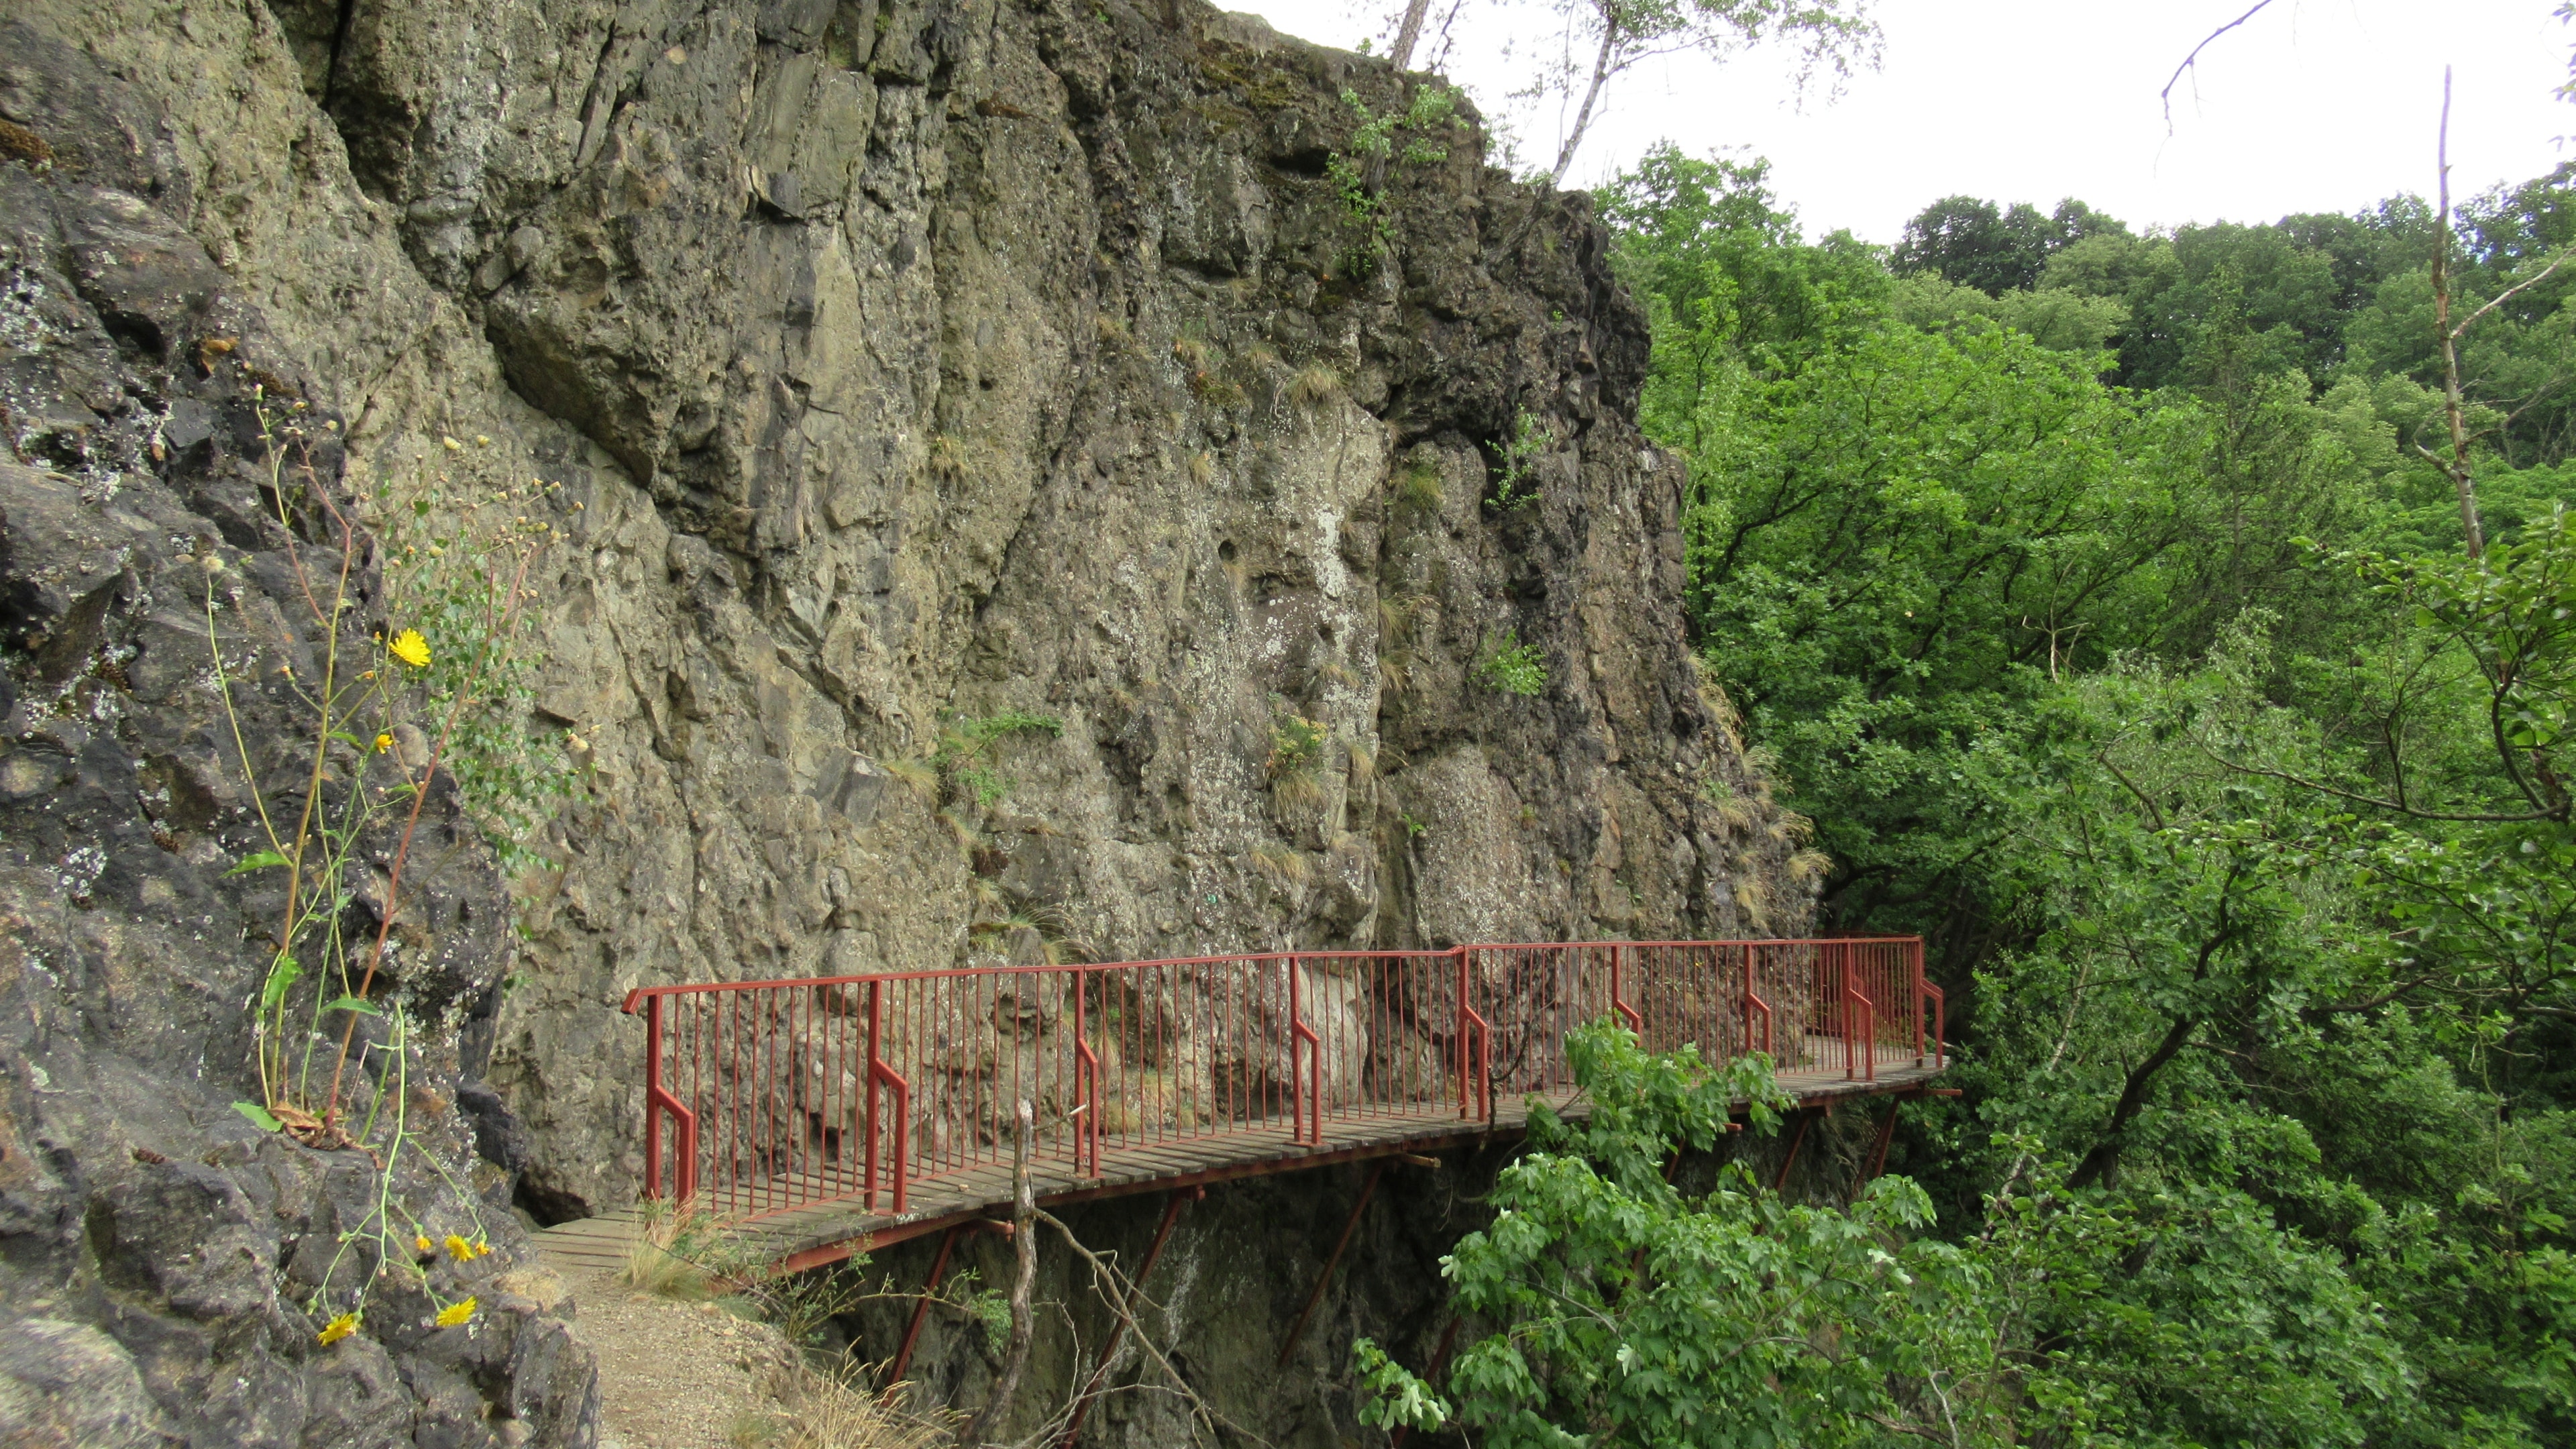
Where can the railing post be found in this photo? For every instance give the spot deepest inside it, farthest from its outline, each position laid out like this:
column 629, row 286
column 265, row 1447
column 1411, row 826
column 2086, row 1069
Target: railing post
column 1851, row 1047
column 1636, row 1023
column 1860, row 1023
column 1305, row 1118
column 1475, row 1052
column 882, row 1076
column 652, row 1097
column 657, row 1101
column 876, row 1007
column 1914, row 981
column 1753, row 1002
column 1462, row 1012
column 1086, row 1085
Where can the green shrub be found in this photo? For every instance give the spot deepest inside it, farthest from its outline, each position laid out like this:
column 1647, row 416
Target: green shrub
column 1512, row 666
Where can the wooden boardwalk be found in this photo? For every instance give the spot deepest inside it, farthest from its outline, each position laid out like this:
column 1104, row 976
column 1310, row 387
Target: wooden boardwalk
column 815, row 1233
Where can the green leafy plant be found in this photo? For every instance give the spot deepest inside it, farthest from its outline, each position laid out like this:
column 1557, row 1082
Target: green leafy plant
column 1512, row 667
column 389, row 1247
column 458, row 551
column 1394, row 1397
column 1515, row 474
column 964, row 753
column 1357, row 175
column 359, row 771
column 447, row 657
column 1296, row 745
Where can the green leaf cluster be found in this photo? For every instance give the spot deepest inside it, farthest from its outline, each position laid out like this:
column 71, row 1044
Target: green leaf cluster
column 2094, row 594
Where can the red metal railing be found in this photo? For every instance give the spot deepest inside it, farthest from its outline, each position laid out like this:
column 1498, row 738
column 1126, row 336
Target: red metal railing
column 782, row 1094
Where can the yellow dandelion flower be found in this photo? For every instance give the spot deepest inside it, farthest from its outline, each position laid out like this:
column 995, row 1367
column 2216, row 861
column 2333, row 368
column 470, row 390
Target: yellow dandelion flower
column 482, row 1249
column 338, row 1328
column 458, row 1248
column 421, row 1244
column 456, row 1313
column 410, row 648
column 385, row 742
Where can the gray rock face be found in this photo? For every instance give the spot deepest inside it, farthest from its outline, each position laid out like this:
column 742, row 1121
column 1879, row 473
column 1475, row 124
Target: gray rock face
column 166, row 1266
column 69, row 1384
column 903, row 364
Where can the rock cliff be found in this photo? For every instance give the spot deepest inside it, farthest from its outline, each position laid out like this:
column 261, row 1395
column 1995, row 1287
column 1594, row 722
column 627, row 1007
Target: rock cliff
column 1024, row 480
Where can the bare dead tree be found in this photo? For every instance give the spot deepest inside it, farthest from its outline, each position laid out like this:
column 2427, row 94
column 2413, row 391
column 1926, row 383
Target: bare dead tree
column 1834, row 35
column 2452, row 412
column 2454, row 404
column 1024, row 1249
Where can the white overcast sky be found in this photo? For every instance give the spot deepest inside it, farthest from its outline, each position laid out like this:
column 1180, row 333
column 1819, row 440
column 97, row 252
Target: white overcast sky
column 2312, row 105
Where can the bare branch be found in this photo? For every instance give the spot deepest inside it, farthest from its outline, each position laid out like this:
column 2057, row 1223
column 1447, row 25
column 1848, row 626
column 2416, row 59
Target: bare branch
column 2192, row 60
column 2507, row 293
column 2389, row 805
column 1120, row 1293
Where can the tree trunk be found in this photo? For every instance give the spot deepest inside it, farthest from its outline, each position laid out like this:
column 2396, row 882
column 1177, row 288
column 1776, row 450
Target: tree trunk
column 1410, row 33
column 1601, row 68
column 1024, row 1248
column 2104, row 1159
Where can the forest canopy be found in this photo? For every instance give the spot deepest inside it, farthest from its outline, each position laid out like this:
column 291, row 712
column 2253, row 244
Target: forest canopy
column 2102, row 595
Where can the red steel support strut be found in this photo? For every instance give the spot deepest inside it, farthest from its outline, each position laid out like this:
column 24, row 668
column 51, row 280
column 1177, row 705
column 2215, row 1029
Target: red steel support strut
column 1877, row 1153
column 1118, row 1335
column 921, row 1310
column 1806, row 1119
column 1298, row 1329
column 930, row 1290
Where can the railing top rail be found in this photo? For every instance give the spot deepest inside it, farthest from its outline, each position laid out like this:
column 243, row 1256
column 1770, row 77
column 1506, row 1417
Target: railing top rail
column 637, row 997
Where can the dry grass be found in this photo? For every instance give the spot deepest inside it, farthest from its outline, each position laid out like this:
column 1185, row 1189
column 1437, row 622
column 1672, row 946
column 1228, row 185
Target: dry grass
column 1712, row 697
column 1215, row 390
column 1417, row 489
column 1191, row 352
column 1810, row 866
column 1303, row 786
column 1314, row 387
column 1285, row 867
column 1754, row 900
column 669, row 1256
column 919, row 773
column 1793, row 828
column 820, row 1410
column 948, row 456
column 1203, row 468
column 1363, row 765
column 1734, row 809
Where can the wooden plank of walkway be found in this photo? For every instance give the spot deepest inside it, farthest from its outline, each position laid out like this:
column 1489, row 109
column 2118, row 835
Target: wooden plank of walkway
column 821, row 1231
